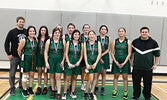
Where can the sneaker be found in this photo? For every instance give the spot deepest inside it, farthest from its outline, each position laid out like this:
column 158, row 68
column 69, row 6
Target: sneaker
column 91, row 96
column 85, row 96
column 50, row 88
column 73, row 95
column 125, row 96
column 135, row 98
column 96, row 91
column 83, row 87
column 38, row 92
column 25, row 93
column 52, row 95
column 64, row 96
column 58, row 97
column 44, row 91
column 114, row 94
column 30, row 92
column 12, row 91
column 102, row 91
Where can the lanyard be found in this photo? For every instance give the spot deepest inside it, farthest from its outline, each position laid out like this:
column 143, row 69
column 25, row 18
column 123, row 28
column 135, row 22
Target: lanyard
column 75, row 48
column 102, row 41
column 92, row 49
column 56, row 47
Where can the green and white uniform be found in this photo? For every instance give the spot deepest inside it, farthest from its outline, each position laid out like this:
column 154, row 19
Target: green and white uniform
column 74, row 53
column 40, row 54
column 121, row 52
column 92, row 53
column 83, row 39
column 55, row 56
column 28, row 63
column 104, row 46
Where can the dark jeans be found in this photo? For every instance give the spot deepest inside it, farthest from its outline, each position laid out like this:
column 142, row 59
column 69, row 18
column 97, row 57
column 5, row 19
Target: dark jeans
column 147, row 80
column 13, row 66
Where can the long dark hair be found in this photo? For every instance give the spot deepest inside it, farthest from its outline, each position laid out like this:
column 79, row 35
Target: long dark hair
column 46, row 35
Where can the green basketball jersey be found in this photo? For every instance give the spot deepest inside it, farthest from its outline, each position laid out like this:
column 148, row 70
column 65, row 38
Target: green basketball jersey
column 83, row 38
column 74, row 52
column 121, row 49
column 67, row 38
column 41, row 48
column 52, row 49
column 30, row 46
column 92, row 51
column 104, row 42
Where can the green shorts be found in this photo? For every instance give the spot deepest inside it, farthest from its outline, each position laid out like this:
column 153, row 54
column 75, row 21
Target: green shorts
column 54, row 64
column 26, row 65
column 75, row 71
column 40, row 61
column 97, row 69
column 106, row 60
column 124, row 69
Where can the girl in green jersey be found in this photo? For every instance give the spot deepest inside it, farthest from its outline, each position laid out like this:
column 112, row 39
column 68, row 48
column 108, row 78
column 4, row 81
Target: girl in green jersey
column 28, row 45
column 54, row 60
column 105, row 61
column 121, row 51
column 92, row 55
column 74, row 55
column 84, row 38
column 42, row 38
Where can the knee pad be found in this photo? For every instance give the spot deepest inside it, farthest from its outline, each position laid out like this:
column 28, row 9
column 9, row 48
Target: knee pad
column 25, row 78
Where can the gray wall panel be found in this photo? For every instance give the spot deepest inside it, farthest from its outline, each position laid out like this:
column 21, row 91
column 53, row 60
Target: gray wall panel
column 163, row 59
column 7, row 22
column 38, row 18
column 78, row 19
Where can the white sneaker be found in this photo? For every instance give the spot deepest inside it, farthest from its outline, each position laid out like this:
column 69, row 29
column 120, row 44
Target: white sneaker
column 64, row 96
column 73, row 95
column 83, row 87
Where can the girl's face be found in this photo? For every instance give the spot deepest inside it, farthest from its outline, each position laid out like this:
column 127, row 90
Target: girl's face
column 121, row 33
column 56, row 34
column 70, row 29
column 92, row 36
column 86, row 29
column 76, row 36
column 31, row 32
column 103, row 30
column 43, row 31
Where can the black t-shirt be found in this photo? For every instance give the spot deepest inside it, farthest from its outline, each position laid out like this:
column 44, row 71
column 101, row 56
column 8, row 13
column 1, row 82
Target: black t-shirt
column 12, row 40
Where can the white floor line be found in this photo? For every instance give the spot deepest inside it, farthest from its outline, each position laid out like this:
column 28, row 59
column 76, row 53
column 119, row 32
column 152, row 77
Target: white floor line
column 160, row 88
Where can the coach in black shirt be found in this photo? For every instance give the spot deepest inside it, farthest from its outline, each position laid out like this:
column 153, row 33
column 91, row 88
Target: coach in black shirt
column 11, row 43
column 145, row 52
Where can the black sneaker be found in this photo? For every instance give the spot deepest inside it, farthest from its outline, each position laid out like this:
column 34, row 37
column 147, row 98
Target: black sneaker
column 25, row 93
column 85, row 96
column 12, row 91
column 50, row 88
column 30, row 91
column 91, row 96
column 38, row 91
column 102, row 91
column 44, row 91
column 52, row 95
column 96, row 91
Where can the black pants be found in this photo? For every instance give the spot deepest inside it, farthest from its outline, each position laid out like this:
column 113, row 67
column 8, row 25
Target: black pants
column 147, row 80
